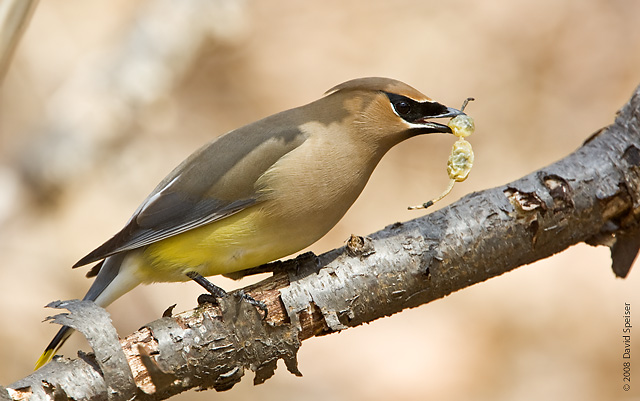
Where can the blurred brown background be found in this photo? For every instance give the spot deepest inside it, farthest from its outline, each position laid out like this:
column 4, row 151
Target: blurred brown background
column 105, row 97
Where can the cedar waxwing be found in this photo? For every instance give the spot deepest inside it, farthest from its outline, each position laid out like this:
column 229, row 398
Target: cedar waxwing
column 260, row 192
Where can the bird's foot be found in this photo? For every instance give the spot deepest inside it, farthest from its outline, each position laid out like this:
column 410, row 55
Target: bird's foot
column 258, row 304
column 216, row 293
column 207, row 299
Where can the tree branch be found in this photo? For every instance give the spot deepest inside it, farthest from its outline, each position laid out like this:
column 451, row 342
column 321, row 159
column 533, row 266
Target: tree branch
column 589, row 196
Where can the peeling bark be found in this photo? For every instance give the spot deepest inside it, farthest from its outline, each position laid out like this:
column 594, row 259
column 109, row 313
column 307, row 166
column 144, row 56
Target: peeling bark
column 590, row 196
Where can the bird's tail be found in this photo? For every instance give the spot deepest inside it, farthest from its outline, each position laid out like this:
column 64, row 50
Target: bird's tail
column 107, row 286
column 54, row 345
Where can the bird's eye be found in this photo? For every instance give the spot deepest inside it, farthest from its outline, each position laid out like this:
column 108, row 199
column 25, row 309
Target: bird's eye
column 402, row 107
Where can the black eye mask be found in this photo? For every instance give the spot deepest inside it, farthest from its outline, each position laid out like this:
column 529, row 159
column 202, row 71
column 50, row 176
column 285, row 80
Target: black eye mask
column 412, row 111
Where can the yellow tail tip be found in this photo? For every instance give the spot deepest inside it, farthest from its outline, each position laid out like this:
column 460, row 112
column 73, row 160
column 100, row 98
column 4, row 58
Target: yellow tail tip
column 44, row 358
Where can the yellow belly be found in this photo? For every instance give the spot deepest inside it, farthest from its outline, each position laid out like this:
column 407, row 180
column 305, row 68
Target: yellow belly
column 247, row 239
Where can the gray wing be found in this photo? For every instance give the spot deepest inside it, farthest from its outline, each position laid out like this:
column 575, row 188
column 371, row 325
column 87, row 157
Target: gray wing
column 215, row 182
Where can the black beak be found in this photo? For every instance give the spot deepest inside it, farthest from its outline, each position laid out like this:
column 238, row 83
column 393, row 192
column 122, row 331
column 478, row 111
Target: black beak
column 435, row 127
column 451, row 112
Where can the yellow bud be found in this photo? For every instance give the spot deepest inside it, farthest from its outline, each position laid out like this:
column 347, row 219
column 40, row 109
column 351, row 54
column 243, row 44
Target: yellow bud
column 462, row 126
column 460, row 161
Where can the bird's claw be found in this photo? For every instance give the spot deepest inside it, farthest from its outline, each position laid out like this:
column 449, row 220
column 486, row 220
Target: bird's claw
column 258, row 304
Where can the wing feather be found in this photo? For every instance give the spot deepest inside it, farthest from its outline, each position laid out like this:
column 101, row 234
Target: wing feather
column 215, row 182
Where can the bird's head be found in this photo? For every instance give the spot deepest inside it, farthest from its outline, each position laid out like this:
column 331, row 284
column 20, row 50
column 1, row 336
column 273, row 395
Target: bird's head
column 389, row 110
